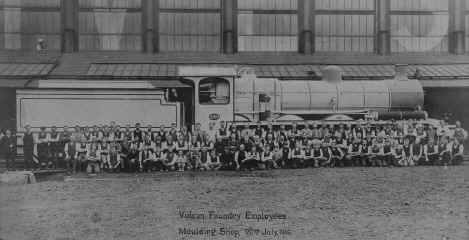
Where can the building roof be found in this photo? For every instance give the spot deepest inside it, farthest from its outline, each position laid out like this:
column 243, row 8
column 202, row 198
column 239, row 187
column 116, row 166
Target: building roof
column 25, row 69
column 155, row 70
column 19, row 74
column 282, row 65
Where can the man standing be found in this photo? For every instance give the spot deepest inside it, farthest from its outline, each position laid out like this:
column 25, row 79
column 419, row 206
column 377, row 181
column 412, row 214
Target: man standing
column 54, row 147
column 43, row 147
column 81, row 151
column 28, row 148
column 9, row 142
column 70, row 155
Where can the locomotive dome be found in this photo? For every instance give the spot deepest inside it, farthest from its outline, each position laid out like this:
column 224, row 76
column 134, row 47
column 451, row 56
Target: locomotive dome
column 332, row 74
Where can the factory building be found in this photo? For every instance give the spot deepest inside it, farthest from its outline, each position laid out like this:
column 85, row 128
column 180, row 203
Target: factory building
column 68, row 62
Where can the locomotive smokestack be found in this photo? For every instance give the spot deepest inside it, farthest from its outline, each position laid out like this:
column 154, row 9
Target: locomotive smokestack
column 332, row 74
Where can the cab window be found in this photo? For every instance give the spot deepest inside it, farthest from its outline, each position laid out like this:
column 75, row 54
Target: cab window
column 214, row 91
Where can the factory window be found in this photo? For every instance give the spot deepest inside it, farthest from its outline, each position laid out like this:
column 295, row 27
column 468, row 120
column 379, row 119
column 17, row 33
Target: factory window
column 214, row 91
column 193, row 25
column 267, row 25
column 30, row 24
column 467, row 25
column 344, row 25
column 419, row 26
column 110, row 25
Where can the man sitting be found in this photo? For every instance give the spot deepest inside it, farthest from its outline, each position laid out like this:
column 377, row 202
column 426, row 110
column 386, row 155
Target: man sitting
column 227, row 159
column 430, row 152
column 354, row 153
column 214, row 163
column 247, row 160
column 336, row 154
column 169, row 162
column 93, row 158
column 444, row 152
column 267, row 158
column 318, row 154
column 457, row 151
column 204, row 159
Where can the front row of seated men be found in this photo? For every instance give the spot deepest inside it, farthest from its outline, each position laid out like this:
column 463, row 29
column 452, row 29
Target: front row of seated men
column 170, row 156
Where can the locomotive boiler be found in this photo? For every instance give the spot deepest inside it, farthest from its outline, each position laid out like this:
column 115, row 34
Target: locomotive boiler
column 332, row 98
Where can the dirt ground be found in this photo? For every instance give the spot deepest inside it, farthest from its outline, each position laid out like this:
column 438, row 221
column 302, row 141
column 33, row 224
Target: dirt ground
column 340, row 203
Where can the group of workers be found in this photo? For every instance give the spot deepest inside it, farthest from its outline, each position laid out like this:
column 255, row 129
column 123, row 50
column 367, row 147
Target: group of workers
column 112, row 148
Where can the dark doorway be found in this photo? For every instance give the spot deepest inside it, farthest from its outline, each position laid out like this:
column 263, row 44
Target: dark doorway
column 188, row 102
column 7, row 108
column 439, row 101
column 185, row 96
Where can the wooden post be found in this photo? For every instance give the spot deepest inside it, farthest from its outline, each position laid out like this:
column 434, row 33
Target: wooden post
column 383, row 27
column 147, row 25
column 306, row 26
column 156, row 25
column 456, row 33
column 229, row 18
column 70, row 13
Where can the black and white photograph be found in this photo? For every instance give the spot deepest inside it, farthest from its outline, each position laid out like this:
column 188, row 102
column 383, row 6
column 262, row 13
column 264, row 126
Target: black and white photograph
column 234, row 119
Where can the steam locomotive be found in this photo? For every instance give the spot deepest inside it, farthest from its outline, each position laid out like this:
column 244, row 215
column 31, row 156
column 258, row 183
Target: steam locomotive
column 208, row 95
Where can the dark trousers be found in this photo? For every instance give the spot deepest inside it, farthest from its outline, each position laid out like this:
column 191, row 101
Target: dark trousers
column 28, row 158
column 158, row 166
column 228, row 166
column 285, row 162
column 131, row 163
column 335, row 161
column 152, row 165
column 420, row 161
column 43, row 154
column 376, row 161
column 10, row 159
column 352, row 160
column 445, row 158
column 432, row 160
column 249, row 164
column 457, row 160
column 365, row 160
column 270, row 164
column 295, row 163
column 304, row 162
column 70, row 163
column 389, row 160
column 54, row 155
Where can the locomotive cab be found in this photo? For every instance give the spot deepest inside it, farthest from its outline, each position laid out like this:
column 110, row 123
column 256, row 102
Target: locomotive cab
column 213, row 97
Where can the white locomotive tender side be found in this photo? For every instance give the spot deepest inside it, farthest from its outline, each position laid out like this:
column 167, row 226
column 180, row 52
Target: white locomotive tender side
column 259, row 99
